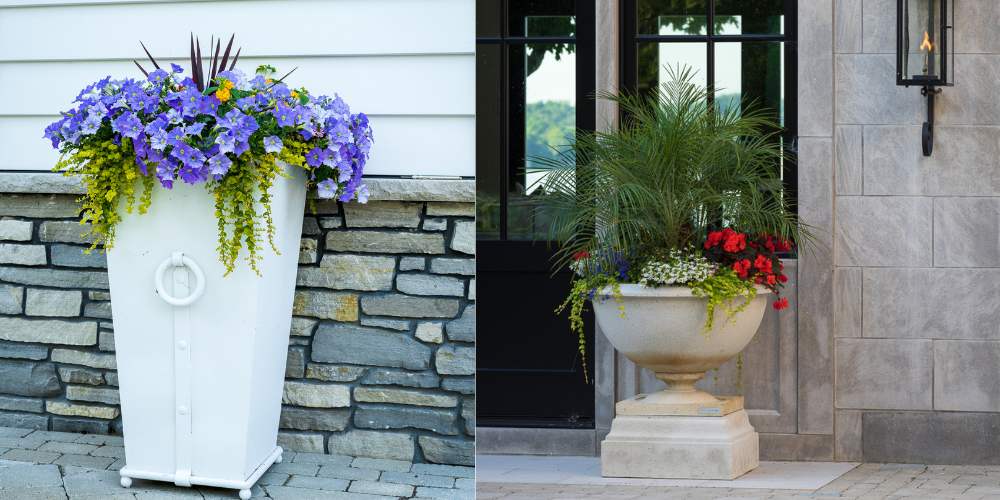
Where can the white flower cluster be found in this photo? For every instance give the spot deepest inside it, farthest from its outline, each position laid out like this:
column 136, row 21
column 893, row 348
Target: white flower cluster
column 681, row 266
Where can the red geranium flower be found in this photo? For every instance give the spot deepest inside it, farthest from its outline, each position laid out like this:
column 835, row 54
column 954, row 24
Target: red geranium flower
column 582, row 254
column 742, row 268
column 735, row 242
column 781, row 303
column 714, row 238
column 782, row 278
column 762, row 264
column 771, row 280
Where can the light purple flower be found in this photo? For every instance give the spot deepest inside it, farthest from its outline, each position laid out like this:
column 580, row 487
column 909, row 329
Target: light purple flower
column 284, row 114
column 362, row 193
column 326, row 189
column 219, row 164
column 273, row 144
column 127, row 124
column 226, row 142
column 314, row 158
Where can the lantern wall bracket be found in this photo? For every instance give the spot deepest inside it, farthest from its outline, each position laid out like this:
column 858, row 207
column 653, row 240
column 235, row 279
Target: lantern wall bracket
column 927, row 136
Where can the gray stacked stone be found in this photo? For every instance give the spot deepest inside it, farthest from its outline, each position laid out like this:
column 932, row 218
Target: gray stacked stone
column 381, row 356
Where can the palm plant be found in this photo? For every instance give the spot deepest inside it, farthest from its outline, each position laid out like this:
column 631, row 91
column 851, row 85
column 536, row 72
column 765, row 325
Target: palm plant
column 675, row 168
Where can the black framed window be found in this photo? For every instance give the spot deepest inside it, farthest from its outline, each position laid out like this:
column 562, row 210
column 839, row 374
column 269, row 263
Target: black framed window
column 743, row 49
column 534, row 89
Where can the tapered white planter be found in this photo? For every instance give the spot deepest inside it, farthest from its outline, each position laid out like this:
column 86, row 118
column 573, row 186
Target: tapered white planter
column 201, row 357
column 679, row 432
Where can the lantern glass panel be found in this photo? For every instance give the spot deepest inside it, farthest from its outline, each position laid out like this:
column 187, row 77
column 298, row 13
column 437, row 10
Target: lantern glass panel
column 921, row 45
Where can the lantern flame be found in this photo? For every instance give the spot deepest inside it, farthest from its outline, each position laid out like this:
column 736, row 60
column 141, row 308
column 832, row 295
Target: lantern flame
column 926, row 44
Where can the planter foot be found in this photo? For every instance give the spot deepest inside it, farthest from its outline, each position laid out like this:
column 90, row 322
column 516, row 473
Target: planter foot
column 680, row 447
column 126, row 482
column 245, row 494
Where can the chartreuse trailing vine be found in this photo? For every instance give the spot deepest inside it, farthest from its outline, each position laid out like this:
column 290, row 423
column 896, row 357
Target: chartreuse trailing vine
column 723, row 289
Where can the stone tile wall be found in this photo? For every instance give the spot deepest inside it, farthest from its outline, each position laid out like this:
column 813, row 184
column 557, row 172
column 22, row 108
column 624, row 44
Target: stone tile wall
column 916, row 246
column 382, row 356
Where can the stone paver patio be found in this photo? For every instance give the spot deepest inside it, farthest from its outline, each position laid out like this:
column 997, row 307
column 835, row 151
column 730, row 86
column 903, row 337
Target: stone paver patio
column 43, row 465
column 866, row 481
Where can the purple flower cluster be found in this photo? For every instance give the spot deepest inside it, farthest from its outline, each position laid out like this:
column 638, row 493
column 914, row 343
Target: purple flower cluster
column 178, row 132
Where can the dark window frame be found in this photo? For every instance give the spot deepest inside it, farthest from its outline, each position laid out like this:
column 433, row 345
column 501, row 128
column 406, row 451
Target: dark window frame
column 630, row 38
column 586, row 67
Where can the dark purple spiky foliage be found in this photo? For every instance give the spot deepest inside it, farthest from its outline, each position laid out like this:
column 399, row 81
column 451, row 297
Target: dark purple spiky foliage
column 218, row 64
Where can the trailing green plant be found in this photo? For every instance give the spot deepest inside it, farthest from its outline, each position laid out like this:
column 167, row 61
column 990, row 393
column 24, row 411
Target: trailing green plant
column 726, row 290
column 587, row 288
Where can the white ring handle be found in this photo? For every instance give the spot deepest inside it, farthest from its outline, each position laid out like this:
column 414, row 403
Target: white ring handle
column 178, row 259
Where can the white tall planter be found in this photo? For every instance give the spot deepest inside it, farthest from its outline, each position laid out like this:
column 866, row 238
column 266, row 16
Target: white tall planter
column 201, row 384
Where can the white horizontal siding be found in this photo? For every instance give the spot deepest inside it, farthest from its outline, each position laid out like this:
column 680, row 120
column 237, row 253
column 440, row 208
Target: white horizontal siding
column 409, row 64
column 264, row 28
column 394, row 85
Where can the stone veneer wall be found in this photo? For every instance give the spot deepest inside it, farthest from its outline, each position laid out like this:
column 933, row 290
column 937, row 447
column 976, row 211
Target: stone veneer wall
column 382, row 350
column 916, row 284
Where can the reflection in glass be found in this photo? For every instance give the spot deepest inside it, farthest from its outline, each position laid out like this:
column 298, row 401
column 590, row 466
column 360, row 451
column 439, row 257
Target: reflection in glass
column 671, row 17
column 654, row 58
column 489, row 137
column 549, row 111
column 758, row 17
column 541, row 18
column 750, row 71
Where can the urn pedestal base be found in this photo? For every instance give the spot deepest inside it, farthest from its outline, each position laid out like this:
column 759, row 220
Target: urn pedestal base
column 680, row 447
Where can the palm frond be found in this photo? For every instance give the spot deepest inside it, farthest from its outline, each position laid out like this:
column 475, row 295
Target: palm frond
column 674, row 169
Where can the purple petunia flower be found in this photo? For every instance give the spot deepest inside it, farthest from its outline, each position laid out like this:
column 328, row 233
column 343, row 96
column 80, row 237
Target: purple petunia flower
column 158, row 140
column 326, row 189
column 339, row 106
column 194, row 128
column 231, row 120
column 157, row 76
column 91, row 124
column 176, row 135
column 226, row 142
column 273, row 144
column 128, row 125
column 314, row 157
column 362, row 194
column 284, row 114
column 219, row 164
column 175, row 68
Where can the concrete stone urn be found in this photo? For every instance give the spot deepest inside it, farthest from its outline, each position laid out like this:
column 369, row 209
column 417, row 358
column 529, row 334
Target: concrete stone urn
column 679, row 432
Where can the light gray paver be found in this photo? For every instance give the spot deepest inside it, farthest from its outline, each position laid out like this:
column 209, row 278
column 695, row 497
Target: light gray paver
column 32, row 456
column 103, row 440
column 86, row 461
column 417, row 479
column 43, row 465
column 381, row 464
column 299, row 468
column 321, row 458
column 375, row 488
column 69, row 448
column 318, row 483
column 347, row 472
column 444, row 470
